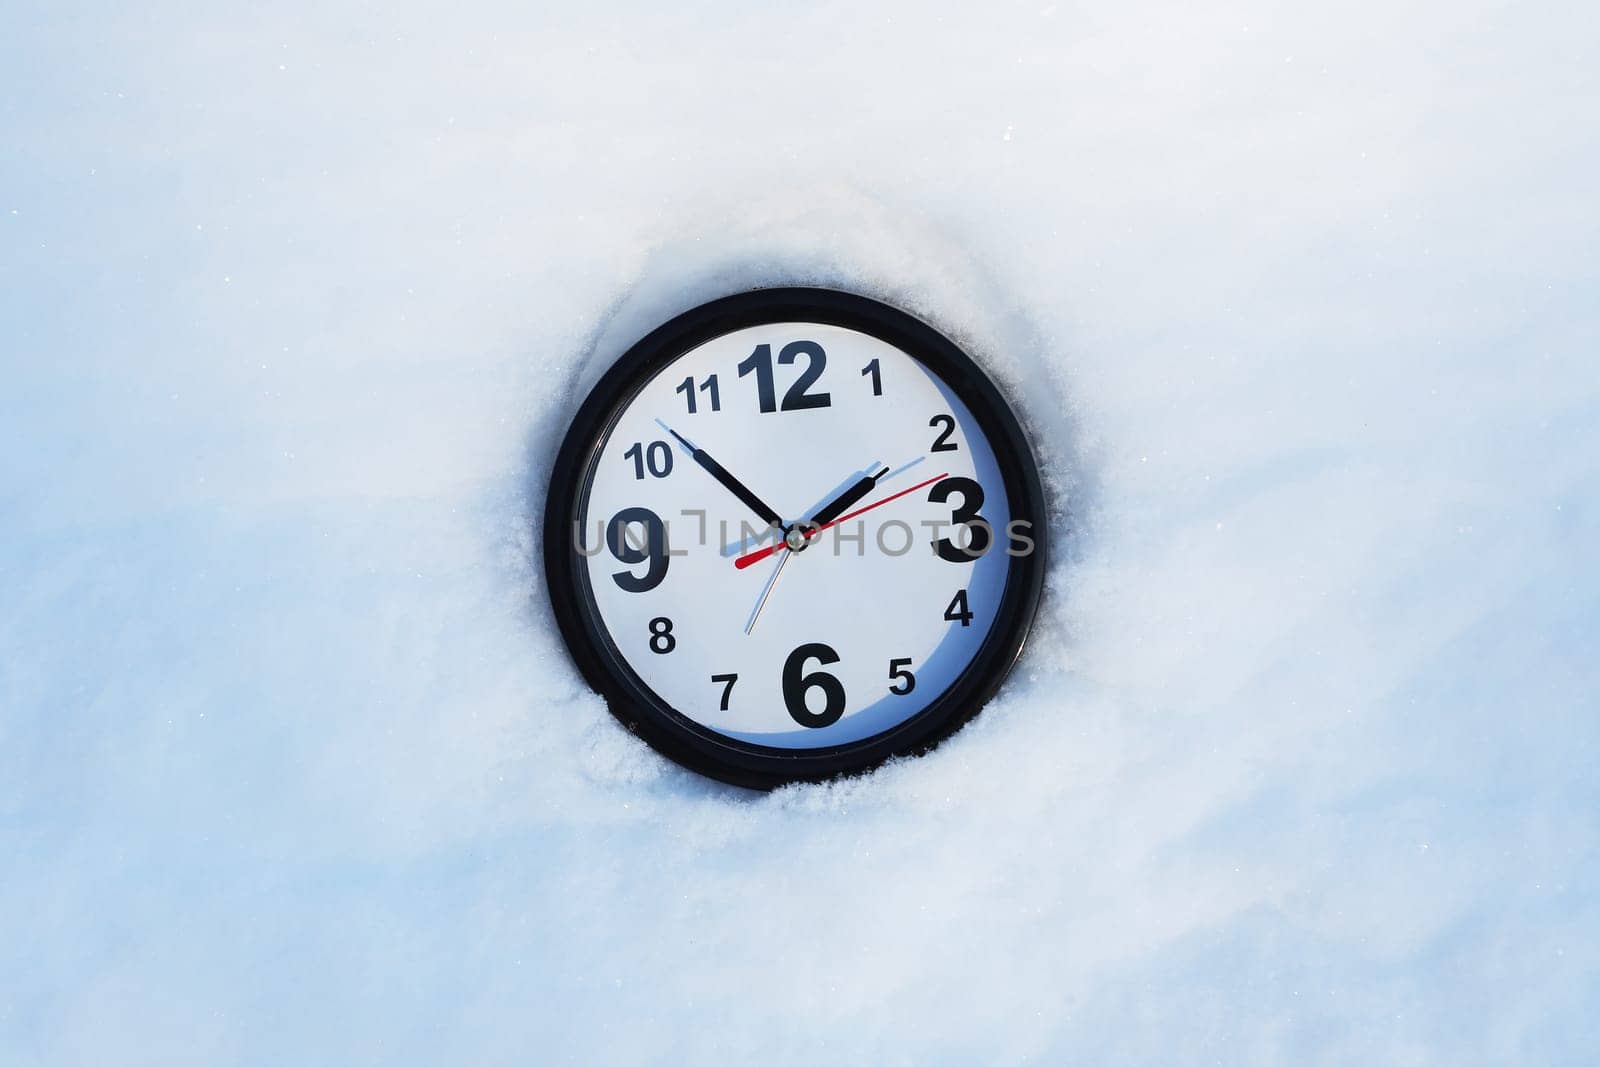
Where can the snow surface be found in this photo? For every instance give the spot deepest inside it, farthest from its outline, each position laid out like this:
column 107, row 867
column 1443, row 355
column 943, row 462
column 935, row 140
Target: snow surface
column 1299, row 302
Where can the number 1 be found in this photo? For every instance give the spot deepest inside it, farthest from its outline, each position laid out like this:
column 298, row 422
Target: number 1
column 877, row 379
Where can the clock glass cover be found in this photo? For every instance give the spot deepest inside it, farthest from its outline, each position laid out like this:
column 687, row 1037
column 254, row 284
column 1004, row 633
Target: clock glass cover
column 793, row 533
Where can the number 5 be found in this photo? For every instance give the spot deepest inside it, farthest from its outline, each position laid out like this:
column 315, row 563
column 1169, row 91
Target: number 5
column 897, row 670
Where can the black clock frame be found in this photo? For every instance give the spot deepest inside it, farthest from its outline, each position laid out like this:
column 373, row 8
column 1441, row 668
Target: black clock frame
column 603, row 666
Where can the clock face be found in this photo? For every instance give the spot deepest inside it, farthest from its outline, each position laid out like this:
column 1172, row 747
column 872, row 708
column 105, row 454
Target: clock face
column 792, row 533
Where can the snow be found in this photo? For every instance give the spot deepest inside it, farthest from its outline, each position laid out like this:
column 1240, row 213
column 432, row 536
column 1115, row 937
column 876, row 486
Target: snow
column 1298, row 304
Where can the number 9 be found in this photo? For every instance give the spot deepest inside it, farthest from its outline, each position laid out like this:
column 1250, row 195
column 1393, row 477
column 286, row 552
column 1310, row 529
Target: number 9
column 628, row 549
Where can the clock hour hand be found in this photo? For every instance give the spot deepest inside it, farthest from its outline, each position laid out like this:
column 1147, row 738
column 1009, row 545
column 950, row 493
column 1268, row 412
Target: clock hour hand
column 808, row 533
column 744, row 544
column 839, row 504
column 729, row 482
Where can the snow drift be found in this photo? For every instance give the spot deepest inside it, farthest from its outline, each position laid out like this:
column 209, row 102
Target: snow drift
column 1299, row 306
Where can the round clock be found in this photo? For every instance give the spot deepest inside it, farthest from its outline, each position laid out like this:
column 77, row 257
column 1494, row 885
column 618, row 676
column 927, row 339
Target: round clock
column 793, row 533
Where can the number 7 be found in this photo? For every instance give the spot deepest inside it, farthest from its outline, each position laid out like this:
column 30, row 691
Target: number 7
column 727, row 681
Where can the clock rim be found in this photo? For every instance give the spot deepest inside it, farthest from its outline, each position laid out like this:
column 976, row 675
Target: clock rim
column 631, row 701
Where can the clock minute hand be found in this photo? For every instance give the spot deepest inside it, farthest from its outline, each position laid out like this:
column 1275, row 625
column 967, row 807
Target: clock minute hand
column 729, row 482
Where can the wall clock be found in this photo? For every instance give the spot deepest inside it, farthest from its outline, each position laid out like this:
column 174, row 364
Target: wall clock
column 792, row 533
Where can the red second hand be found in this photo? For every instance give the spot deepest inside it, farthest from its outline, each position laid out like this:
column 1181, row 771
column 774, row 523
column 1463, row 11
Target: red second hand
column 762, row 553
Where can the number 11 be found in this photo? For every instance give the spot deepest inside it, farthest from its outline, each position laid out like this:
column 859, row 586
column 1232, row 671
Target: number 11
column 686, row 387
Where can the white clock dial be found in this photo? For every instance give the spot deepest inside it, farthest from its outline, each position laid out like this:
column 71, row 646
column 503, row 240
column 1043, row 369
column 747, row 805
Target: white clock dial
column 792, row 533
column 863, row 624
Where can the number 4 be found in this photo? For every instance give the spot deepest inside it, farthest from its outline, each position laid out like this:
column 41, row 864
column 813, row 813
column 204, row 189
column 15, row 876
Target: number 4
column 958, row 610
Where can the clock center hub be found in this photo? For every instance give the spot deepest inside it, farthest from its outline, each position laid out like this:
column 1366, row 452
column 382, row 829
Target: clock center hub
column 795, row 539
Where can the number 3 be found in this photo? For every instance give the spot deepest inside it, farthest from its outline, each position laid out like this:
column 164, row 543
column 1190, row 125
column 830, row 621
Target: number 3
column 978, row 535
